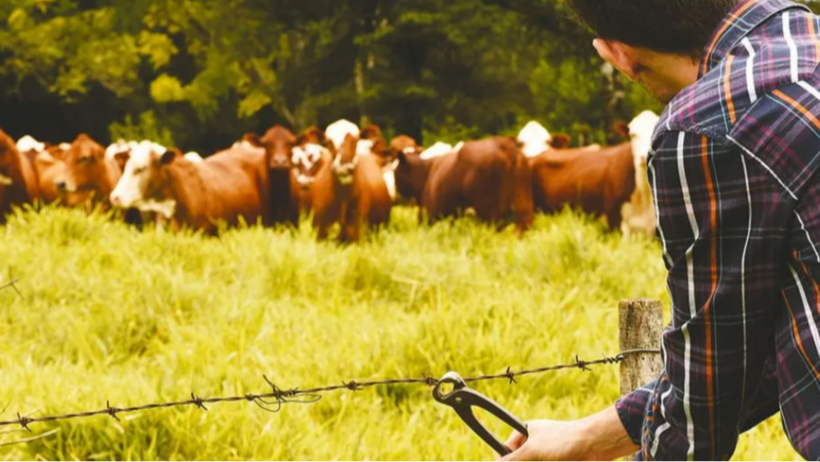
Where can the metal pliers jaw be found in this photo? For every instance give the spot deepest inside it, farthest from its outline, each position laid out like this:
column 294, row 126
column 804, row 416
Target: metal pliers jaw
column 463, row 399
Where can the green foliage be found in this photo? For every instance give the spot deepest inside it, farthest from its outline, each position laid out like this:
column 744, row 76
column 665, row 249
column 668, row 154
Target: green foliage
column 432, row 68
column 109, row 313
column 146, row 127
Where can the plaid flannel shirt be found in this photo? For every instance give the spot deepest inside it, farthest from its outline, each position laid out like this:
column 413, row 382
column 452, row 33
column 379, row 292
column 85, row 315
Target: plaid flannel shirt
column 734, row 175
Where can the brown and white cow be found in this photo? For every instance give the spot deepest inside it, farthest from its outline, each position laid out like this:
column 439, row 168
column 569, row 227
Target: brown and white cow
column 371, row 142
column 405, row 144
column 30, row 147
column 639, row 213
column 490, row 176
column 309, row 156
column 282, row 187
column 596, row 182
column 312, row 135
column 350, row 191
column 18, row 181
column 534, row 139
column 225, row 188
column 338, row 131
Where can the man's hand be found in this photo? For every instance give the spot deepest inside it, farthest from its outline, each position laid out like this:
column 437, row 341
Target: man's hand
column 548, row 441
column 600, row 437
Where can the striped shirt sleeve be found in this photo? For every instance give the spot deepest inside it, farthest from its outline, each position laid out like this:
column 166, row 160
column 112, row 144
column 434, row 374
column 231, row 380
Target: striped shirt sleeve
column 724, row 225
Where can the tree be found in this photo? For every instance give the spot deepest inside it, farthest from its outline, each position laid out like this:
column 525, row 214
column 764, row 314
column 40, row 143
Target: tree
column 199, row 73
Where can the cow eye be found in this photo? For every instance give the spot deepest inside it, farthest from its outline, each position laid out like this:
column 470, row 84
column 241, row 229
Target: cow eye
column 139, row 170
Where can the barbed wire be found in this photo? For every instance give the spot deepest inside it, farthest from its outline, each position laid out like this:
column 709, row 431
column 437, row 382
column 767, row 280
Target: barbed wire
column 274, row 400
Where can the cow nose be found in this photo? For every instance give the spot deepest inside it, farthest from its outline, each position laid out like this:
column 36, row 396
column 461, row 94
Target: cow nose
column 62, row 186
column 115, row 200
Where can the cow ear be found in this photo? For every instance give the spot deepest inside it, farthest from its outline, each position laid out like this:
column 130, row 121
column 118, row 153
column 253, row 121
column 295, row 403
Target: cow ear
column 121, row 158
column 169, row 156
column 402, row 157
column 253, row 139
column 300, row 140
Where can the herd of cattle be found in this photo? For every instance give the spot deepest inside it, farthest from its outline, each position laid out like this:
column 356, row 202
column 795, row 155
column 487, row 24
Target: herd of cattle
column 344, row 175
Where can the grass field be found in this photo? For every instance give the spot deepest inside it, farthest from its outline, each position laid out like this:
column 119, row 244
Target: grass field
column 112, row 314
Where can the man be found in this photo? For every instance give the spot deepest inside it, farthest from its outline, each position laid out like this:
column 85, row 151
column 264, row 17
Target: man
column 734, row 174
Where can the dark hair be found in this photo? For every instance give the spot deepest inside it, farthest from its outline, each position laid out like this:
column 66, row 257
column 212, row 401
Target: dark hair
column 669, row 26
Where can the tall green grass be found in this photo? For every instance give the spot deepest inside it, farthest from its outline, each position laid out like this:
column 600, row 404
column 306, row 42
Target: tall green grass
column 110, row 313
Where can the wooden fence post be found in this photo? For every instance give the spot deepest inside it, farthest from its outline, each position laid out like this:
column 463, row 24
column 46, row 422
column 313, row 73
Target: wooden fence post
column 640, row 324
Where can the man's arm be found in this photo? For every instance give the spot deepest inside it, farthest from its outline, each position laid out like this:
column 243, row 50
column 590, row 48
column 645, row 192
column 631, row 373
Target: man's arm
column 724, row 224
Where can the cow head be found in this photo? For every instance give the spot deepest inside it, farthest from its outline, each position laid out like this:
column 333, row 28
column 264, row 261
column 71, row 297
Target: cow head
column 411, row 175
column 344, row 166
column 337, row 131
column 405, row 144
column 278, row 143
column 51, row 169
column 146, row 176
column 85, row 166
column 640, row 133
column 308, row 160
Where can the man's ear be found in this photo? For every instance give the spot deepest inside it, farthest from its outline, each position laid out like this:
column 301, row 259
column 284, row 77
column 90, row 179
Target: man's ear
column 619, row 54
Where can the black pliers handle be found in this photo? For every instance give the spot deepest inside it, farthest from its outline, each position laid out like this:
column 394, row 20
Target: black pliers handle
column 463, row 399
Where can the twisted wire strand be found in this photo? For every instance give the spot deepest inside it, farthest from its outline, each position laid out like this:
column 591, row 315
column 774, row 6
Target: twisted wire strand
column 274, row 400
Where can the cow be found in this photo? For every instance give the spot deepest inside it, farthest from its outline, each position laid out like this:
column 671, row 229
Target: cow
column 491, row 176
column 535, row 139
column 440, row 149
column 639, row 213
column 30, row 147
column 312, row 135
column 405, row 144
column 338, row 131
column 308, row 157
column 88, row 170
column 350, row 190
column 372, row 142
column 282, row 187
column 193, row 157
column 18, row 181
column 596, row 182
column 227, row 187
column 119, row 152
column 51, row 169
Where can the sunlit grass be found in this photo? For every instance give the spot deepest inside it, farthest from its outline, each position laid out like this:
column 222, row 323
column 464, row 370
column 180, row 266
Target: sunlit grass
column 110, row 313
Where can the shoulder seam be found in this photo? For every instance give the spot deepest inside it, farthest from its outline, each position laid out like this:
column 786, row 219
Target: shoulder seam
column 765, row 167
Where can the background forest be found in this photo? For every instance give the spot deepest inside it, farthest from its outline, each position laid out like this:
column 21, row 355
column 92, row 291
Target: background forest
column 200, row 73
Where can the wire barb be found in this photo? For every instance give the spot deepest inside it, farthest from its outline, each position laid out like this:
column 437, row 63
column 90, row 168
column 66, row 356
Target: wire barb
column 352, row 386
column 276, row 398
column 112, row 411
column 198, row 402
column 511, row 375
column 24, row 421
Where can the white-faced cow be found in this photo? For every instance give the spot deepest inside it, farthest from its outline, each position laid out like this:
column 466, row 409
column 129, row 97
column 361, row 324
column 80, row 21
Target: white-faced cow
column 225, row 188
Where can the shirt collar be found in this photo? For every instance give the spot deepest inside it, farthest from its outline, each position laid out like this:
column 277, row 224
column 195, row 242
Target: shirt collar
column 745, row 17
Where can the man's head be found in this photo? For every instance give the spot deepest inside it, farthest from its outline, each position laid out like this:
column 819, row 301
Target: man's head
column 655, row 42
